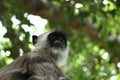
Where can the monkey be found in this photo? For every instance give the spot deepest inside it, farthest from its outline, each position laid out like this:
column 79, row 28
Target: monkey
column 43, row 62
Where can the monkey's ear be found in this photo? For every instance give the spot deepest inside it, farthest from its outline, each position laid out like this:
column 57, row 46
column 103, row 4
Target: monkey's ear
column 34, row 39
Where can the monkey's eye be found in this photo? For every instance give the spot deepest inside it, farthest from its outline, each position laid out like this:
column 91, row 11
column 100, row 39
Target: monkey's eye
column 53, row 37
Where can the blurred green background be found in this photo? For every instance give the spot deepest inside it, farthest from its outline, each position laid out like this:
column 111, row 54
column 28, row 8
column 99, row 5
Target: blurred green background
column 92, row 28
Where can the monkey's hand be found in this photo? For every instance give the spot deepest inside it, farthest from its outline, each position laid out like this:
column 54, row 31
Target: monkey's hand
column 63, row 78
column 35, row 78
column 38, row 78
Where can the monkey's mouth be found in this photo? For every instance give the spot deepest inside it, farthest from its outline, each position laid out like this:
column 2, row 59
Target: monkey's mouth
column 59, row 43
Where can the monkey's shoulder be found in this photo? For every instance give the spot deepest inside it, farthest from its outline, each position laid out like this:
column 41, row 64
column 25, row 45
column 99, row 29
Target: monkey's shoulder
column 39, row 57
column 17, row 63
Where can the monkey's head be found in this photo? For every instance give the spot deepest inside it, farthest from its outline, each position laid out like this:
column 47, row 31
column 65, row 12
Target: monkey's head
column 57, row 40
column 54, row 43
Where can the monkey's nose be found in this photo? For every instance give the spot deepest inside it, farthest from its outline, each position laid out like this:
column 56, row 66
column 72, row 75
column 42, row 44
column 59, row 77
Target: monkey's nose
column 57, row 42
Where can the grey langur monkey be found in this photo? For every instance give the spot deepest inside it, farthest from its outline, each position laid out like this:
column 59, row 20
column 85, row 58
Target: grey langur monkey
column 43, row 62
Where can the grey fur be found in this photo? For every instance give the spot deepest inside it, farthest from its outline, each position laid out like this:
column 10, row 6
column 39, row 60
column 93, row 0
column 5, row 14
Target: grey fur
column 39, row 64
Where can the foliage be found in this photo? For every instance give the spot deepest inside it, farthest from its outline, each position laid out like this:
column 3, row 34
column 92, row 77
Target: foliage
column 92, row 57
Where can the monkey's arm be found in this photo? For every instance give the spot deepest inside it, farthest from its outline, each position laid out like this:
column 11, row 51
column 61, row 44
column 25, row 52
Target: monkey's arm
column 43, row 68
column 38, row 78
column 44, row 71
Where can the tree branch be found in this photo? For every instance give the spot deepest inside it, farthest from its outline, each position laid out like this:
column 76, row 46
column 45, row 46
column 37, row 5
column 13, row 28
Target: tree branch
column 45, row 10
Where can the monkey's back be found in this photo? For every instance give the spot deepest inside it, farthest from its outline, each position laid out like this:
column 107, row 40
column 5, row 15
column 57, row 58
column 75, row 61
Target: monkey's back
column 17, row 67
column 30, row 65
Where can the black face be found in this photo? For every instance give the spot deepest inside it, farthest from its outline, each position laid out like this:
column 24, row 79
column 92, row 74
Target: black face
column 57, row 39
